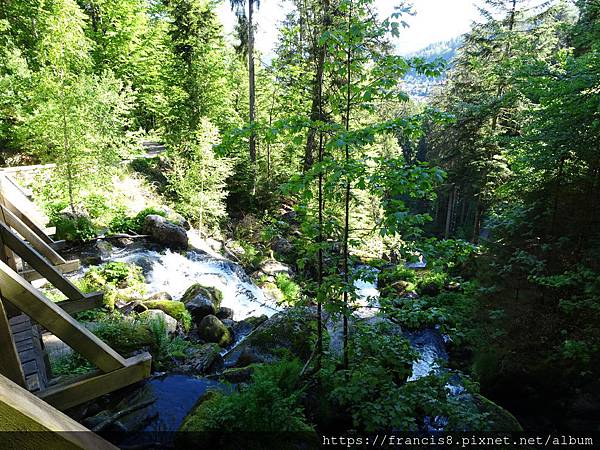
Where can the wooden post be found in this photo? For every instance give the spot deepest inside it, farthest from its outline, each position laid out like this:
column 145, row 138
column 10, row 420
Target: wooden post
column 10, row 364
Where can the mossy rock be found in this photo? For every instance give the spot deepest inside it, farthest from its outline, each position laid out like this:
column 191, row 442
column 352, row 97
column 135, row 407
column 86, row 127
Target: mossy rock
column 292, row 331
column 273, row 291
column 210, row 292
column 238, row 375
column 211, row 329
column 120, row 282
column 500, row 419
column 171, row 307
column 125, row 336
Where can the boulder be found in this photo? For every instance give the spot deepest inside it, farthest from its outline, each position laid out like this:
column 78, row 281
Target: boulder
column 500, row 419
column 140, row 404
column 200, row 307
column 246, row 326
column 156, row 314
column 291, row 330
column 272, row 267
column 210, row 292
column 204, row 359
column 224, row 313
column 129, row 307
column 282, row 246
column 211, row 329
column 159, row 296
column 238, row 374
column 165, row 232
column 171, row 307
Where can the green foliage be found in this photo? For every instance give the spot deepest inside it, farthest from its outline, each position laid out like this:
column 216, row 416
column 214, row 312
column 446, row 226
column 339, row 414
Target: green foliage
column 198, row 177
column 381, row 361
column 270, row 404
column 117, row 280
column 70, row 364
column 79, row 228
column 127, row 224
column 290, row 290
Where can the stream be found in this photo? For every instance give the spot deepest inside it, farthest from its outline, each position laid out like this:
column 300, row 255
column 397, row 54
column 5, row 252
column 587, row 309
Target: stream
column 173, row 272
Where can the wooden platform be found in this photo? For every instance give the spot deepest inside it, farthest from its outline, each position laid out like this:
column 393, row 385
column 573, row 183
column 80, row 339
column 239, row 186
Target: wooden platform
column 27, row 340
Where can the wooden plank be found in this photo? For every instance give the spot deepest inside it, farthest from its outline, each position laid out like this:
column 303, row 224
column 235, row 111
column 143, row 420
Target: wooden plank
column 30, row 367
column 64, row 397
column 13, row 193
column 10, row 364
column 24, row 345
column 38, row 263
column 37, row 229
column 69, row 266
column 40, row 426
column 17, row 169
column 33, row 303
column 22, row 336
column 36, row 242
column 90, row 301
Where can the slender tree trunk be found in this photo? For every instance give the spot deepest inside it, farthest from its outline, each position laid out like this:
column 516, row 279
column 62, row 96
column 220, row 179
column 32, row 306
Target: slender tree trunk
column 269, row 143
column 67, row 146
column 449, row 213
column 320, row 66
column 347, row 190
column 477, row 222
column 252, row 91
column 315, row 111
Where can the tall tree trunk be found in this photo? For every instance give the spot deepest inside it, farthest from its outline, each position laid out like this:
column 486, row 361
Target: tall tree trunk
column 252, row 92
column 319, row 71
column 315, row 110
column 346, row 255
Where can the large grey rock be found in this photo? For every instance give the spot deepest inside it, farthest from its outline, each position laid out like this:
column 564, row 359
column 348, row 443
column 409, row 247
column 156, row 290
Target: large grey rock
column 210, row 292
column 205, row 359
column 292, row 330
column 199, row 307
column 165, row 232
column 224, row 313
column 211, row 329
column 159, row 296
column 272, row 267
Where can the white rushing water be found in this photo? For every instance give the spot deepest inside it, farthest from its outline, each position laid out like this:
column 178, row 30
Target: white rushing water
column 174, row 272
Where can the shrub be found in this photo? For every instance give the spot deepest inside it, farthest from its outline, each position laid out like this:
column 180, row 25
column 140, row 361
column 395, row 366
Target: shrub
column 116, row 280
column 133, row 224
column 380, row 362
column 78, row 228
column 270, row 404
column 289, row 289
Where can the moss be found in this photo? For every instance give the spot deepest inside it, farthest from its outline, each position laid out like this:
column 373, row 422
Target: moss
column 172, row 308
column 119, row 281
column 293, row 331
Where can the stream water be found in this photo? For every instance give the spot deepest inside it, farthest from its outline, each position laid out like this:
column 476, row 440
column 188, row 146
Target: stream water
column 173, row 272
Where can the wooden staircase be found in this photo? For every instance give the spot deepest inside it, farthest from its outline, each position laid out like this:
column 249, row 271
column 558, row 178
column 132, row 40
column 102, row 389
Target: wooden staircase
column 27, row 253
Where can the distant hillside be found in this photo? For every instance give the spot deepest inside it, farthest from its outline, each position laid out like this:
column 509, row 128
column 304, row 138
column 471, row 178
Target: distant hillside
column 419, row 87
